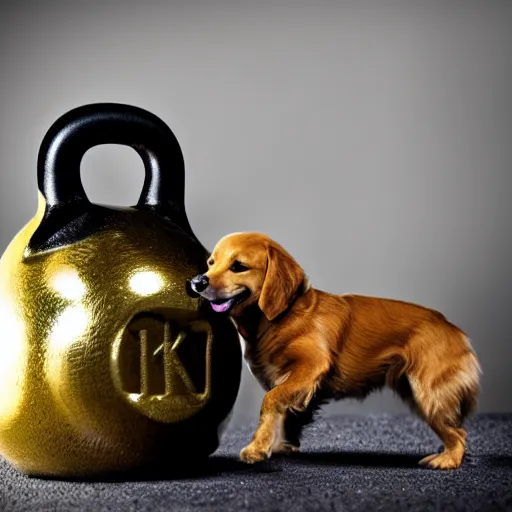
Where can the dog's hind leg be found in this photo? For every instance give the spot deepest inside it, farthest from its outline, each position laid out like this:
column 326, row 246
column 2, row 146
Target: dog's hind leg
column 444, row 396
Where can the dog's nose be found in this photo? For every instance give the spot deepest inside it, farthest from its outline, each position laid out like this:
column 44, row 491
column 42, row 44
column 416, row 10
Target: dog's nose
column 190, row 291
column 199, row 283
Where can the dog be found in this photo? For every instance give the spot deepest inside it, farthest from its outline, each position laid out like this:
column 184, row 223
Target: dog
column 306, row 346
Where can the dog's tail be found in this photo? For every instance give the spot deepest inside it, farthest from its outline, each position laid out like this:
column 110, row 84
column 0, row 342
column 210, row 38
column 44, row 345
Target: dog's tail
column 470, row 384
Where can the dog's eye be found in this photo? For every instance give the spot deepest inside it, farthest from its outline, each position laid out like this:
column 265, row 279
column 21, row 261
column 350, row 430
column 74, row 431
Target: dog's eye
column 210, row 262
column 238, row 267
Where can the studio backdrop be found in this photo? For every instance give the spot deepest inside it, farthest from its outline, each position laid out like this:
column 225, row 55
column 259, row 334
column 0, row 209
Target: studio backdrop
column 371, row 139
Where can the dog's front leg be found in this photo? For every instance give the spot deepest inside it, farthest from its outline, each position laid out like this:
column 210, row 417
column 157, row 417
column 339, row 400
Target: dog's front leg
column 294, row 393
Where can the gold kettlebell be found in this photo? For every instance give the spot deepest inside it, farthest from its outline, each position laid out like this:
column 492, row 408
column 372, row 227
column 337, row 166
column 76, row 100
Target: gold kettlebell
column 106, row 363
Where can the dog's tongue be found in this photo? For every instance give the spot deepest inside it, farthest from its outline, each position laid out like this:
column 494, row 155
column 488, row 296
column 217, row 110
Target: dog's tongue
column 220, row 308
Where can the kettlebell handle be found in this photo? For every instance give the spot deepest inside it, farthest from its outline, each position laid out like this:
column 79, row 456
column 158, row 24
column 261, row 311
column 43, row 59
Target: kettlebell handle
column 68, row 139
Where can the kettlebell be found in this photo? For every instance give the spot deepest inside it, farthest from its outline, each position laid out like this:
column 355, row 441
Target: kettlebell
column 107, row 364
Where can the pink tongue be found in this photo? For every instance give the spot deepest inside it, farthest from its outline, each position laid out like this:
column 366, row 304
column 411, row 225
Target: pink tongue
column 220, row 308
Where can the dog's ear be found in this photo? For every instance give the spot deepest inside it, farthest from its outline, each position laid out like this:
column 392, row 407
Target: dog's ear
column 282, row 280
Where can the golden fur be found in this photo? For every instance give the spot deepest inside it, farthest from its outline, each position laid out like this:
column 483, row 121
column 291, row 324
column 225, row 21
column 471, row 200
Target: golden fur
column 306, row 346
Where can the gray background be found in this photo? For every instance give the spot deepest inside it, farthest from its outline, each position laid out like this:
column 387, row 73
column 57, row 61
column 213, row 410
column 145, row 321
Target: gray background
column 373, row 140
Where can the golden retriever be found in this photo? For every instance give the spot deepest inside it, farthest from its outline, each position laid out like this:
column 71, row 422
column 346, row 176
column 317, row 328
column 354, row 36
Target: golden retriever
column 306, row 346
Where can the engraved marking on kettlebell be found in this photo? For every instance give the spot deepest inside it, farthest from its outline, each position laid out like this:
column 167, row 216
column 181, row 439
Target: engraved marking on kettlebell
column 173, row 367
column 165, row 391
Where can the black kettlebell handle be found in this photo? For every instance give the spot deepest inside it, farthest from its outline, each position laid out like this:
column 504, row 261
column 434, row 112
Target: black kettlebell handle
column 69, row 215
column 66, row 142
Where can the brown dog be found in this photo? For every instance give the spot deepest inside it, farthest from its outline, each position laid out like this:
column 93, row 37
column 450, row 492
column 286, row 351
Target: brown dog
column 306, row 346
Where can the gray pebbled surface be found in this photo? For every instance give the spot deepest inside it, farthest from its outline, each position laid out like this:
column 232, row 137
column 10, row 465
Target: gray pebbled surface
column 366, row 463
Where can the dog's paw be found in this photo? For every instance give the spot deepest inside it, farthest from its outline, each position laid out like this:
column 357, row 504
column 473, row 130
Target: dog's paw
column 285, row 448
column 252, row 453
column 443, row 460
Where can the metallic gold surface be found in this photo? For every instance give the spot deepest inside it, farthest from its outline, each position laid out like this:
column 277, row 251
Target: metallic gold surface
column 93, row 376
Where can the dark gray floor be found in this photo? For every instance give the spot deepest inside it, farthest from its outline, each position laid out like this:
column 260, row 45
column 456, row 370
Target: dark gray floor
column 365, row 463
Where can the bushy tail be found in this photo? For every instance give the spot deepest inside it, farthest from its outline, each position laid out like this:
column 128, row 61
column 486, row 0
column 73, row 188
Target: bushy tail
column 470, row 388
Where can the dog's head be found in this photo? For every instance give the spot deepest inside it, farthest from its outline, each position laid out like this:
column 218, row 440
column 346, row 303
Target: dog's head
column 249, row 268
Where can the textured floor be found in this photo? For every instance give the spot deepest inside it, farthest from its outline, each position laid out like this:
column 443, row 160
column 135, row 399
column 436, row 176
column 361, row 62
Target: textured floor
column 366, row 463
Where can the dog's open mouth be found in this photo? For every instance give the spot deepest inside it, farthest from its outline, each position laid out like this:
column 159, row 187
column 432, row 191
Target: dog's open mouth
column 225, row 305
